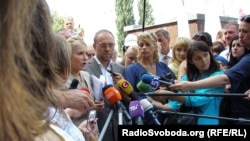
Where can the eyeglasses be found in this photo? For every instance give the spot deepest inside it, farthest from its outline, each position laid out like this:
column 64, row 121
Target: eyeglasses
column 103, row 45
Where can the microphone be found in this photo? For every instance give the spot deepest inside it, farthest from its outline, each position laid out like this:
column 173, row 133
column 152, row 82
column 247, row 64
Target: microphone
column 167, row 77
column 154, row 81
column 136, row 112
column 127, row 88
column 143, row 87
column 148, row 108
column 86, row 90
column 74, row 84
column 113, row 96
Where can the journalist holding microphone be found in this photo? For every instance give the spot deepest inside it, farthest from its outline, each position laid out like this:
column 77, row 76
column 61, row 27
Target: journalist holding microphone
column 237, row 76
column 200, row 65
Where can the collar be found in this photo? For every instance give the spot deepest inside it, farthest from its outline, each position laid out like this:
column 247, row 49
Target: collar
column 100, row 64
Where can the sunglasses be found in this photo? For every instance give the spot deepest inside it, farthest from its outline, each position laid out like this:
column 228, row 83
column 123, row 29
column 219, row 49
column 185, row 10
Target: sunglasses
column 124, row 49
column 202, row 37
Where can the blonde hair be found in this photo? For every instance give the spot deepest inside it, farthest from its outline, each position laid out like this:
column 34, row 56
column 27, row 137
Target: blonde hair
column 130, row 49
column 74, row 42
column 150, row 38
column 133, row 48
column 61, row 57
column 179, row 42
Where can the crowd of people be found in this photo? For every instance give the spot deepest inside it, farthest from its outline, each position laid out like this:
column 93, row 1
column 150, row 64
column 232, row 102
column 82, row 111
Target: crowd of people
column 48, row 91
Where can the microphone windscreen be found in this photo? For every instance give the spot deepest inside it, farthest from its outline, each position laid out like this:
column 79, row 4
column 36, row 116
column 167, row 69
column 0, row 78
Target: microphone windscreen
column 112, row 95
column 154, row 82
column 143, row 87
column 86, row 90
column 146, row 104
column 106, row 87
column 74, row 84
column 147, row 78
column 125, row 86
column 136, row 109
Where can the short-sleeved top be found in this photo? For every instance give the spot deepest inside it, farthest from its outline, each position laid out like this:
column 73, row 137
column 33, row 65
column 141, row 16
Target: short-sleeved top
column 208, row 105
column 134, row 72
column 239, row 76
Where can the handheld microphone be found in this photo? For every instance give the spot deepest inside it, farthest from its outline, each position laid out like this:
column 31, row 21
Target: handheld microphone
column 74, row 84
column 127, row 88
column 136, row 112
column 143, row 87
column 148, row 108
column 167, row 77
column 154, row 81
column 113, row 96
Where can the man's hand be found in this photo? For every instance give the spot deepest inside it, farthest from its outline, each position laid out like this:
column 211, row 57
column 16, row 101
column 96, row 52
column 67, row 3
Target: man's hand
column 248, row 93
column 76, row 99
column 99, row 105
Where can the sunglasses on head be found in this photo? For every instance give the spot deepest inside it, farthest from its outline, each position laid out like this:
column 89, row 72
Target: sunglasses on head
column 124, row 49
column 201, row 37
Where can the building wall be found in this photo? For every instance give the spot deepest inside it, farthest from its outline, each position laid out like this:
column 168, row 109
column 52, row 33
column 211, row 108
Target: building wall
column 196, row 24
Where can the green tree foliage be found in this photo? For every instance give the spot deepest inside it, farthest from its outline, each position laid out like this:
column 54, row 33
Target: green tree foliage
column 149, row 19
column 124, row 17
column 57, row 21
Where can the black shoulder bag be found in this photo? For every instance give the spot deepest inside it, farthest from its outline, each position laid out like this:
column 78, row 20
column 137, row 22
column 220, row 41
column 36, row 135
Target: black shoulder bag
column 179, row 119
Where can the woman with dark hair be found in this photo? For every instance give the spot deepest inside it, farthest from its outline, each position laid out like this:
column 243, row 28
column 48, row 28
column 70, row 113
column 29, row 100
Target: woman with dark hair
column 217, row 48
column 236, row 52
column 207, row 39
column 237, row 76
column 200, row 65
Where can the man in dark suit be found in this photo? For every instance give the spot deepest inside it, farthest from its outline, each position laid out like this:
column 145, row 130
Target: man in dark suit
column 104, row 44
